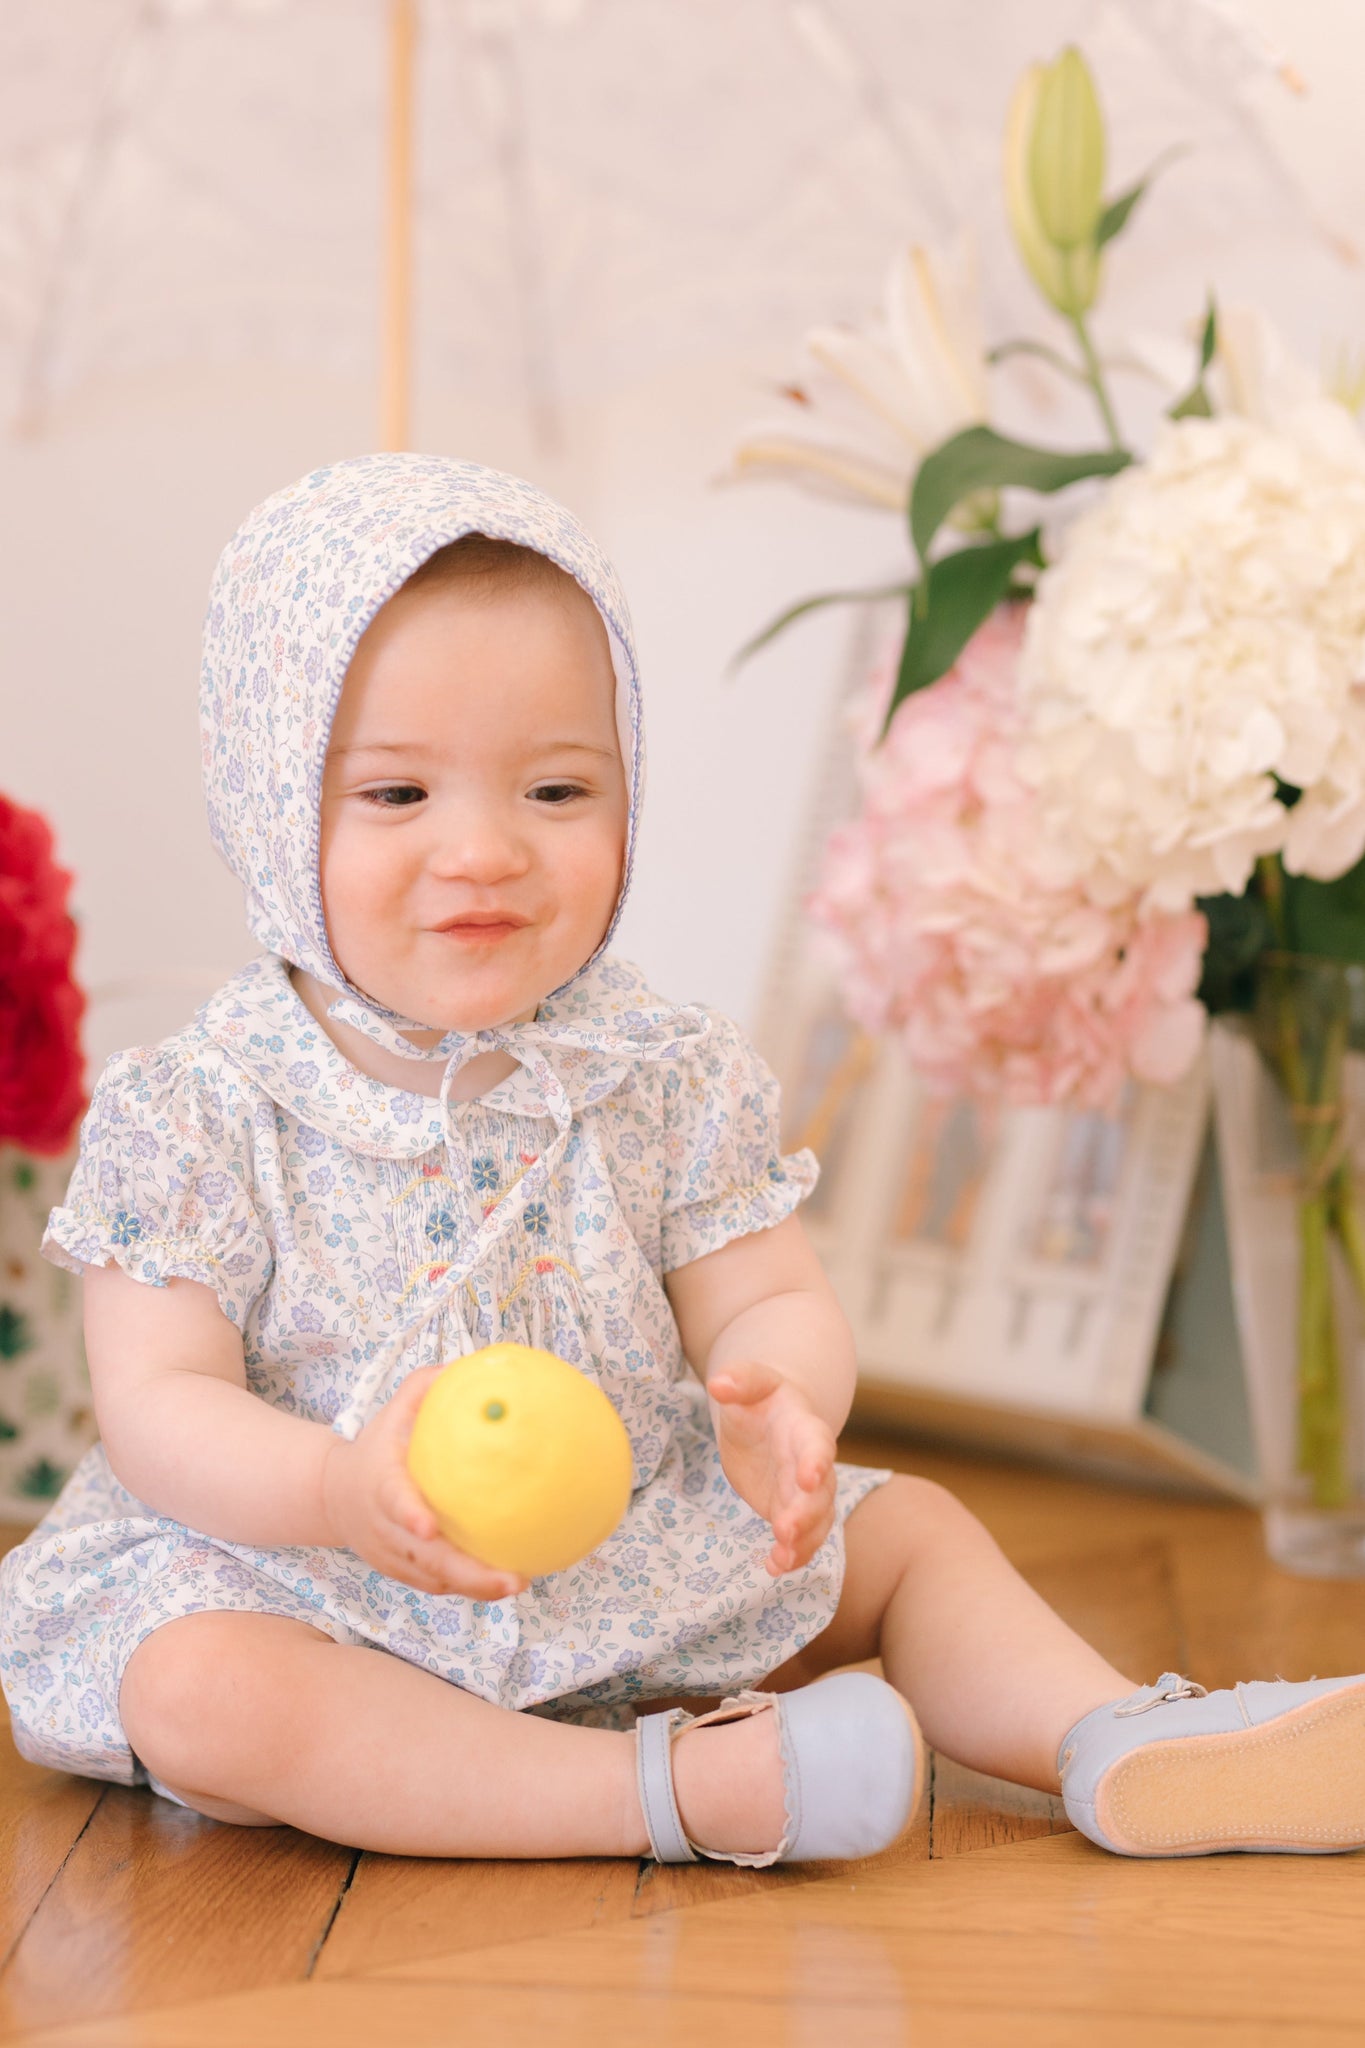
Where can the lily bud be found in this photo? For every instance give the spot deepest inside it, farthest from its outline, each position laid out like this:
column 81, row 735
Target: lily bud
column 1066, row 153
column 1040, row 258
column 1040, row 116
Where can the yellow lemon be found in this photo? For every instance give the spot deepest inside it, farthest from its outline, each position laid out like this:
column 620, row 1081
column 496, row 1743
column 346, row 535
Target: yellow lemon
column 525, row 1461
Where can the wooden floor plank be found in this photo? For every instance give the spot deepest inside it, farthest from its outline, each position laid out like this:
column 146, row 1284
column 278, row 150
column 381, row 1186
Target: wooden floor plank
column 973, row 1812
column 398, row 1907
column 41, row 1816
column 363, row 2012
column 1050, row 1941
column 1053, row 1924
column 156, row 1904
column 1123, row 1598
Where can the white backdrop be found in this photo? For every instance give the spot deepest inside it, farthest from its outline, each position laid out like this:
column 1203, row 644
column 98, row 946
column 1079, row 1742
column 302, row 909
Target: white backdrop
column 111, row 520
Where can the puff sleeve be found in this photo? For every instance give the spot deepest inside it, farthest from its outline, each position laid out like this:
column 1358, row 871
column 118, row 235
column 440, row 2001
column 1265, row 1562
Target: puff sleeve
column 163, row 1182
column 724, row 1171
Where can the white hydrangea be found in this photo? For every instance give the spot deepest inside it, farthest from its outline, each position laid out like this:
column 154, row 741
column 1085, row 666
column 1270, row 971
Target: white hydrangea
column 1202, row 636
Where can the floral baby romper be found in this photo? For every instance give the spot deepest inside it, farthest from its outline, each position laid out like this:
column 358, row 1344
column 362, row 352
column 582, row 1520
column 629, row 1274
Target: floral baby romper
column 353, row 1231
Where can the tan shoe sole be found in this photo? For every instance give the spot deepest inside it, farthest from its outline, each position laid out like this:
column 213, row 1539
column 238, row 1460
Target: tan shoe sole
column 1297, row 1783
column 921, row 1774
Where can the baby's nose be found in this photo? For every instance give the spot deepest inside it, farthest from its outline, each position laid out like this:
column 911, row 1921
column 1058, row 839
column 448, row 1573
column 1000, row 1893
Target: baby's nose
column 483, row 854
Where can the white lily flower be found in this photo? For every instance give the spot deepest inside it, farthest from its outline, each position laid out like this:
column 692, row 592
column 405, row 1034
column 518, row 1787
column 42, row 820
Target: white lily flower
column 1254, row 371
column 882, row 396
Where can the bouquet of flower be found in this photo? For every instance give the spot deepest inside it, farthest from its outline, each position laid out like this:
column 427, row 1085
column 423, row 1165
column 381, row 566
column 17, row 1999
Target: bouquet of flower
column 1117, row 778
column 41, row 1091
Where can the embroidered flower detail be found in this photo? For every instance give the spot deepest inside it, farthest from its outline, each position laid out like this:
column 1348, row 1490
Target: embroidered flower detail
column 536, row 1221
column 441, row 1226
column 435, row 1273
column 485, row 1173
column 125, row 1228
column 545, row 1265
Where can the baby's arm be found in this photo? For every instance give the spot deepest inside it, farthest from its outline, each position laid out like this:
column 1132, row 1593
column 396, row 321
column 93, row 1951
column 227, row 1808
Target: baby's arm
column 183, row 1432
column 763, row 1331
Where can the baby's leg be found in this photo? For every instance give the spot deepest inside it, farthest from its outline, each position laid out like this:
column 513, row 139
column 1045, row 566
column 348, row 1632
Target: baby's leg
column 995, row 1677
column 253, row 1718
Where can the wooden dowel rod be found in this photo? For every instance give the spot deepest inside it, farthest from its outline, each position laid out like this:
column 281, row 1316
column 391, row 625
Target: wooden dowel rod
column 396, row 337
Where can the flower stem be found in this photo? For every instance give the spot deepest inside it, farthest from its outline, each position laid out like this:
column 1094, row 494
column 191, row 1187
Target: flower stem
column 1270, row 875
column 1346, row 1223
column 1310, row 1053
column 1322, row 1431
column 1094, row 377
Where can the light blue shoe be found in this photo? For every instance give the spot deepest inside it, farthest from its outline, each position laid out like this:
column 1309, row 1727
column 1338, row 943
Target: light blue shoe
column 1174, row 1770
column 852, row 1770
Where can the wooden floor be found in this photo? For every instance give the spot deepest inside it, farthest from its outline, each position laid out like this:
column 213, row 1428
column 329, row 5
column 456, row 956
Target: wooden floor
column 126, row 1921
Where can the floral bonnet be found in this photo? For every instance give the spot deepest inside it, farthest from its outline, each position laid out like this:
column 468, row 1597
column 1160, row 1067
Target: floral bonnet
column 294, row 590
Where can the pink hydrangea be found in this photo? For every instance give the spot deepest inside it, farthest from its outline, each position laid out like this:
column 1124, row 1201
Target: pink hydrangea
column 965, row 930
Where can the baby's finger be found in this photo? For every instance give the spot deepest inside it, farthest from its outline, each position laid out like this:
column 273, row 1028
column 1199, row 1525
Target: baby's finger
column 747, row 1382
column 815, row 1466
column 400, row 1503
column 476, row 1581
column 800, row 1532
column 444, row 1569
column 402, row 1408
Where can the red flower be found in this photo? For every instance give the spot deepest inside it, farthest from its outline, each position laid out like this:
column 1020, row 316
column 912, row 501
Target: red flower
column 42, row 1094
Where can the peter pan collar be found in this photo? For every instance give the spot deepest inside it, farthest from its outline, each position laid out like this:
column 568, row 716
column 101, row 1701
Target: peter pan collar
column 580, row 1046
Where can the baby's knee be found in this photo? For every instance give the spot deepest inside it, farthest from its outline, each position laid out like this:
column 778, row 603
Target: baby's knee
column 195, row 1693
column 923, row 1512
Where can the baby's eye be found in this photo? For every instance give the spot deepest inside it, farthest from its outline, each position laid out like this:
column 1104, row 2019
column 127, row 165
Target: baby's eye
column 394, row 796
column 557, row 792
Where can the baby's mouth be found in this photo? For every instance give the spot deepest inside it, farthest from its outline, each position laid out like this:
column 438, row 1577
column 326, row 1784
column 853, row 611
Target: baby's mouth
column 483, row 930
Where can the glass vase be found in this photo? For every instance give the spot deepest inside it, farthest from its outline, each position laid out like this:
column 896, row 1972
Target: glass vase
column 1287, row 1094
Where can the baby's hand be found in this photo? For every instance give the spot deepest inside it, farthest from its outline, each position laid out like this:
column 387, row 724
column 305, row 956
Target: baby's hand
column 374, row 1509
column 778, row 1455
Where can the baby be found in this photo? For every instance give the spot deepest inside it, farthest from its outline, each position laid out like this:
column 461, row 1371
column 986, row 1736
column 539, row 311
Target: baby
column 437, row 1112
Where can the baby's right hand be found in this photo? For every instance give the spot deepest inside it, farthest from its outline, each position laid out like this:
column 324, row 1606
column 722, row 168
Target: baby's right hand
column 374, row 1509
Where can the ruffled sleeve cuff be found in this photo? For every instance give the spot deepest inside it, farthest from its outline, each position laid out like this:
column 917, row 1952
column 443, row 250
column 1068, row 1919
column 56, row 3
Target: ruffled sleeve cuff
column 699, row 1227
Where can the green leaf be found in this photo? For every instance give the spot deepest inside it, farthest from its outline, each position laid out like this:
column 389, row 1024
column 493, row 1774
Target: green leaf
column 1116, row 215
column 810, row 604
column 1239, row 932
column 957, row 595
column 1195, row 404
column 979, row 459
column 1326, row 919
column 1119, row 211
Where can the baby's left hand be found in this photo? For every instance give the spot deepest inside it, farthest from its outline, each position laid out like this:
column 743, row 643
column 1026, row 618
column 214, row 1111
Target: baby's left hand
column 778, row 1455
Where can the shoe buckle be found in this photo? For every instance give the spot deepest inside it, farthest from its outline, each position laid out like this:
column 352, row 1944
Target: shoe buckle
column 1173, row 1687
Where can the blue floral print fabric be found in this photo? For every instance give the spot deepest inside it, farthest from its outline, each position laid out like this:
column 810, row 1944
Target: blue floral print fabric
column 352, row 1230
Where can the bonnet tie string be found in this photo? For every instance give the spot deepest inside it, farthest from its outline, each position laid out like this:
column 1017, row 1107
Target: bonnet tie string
column 661, row 1035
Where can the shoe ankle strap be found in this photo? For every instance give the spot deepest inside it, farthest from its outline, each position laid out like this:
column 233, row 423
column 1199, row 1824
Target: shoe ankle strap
column 654, row 1775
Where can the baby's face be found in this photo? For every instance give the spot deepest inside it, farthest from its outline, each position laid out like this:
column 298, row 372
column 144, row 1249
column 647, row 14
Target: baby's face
column 473, row 802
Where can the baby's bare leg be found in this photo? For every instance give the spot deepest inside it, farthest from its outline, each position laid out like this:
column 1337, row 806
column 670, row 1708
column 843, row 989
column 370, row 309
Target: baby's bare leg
column 995, row 1677
column 253, row 1717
